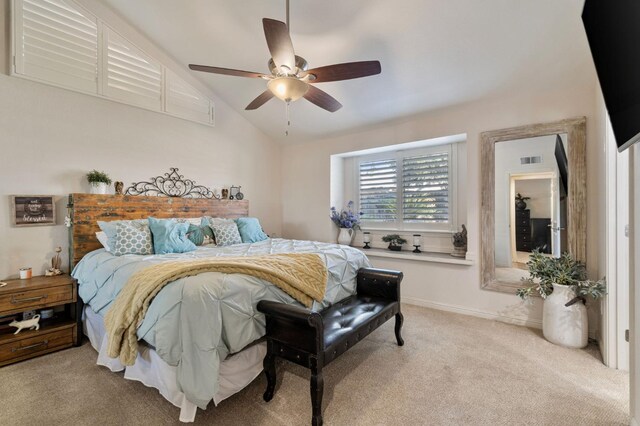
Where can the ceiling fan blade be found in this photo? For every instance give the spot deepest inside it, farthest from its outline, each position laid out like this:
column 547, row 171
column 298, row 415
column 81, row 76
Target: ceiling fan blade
column 279, row 42
column 345, row 71
column 226, row 71
column 260, row 100
column 322, row 99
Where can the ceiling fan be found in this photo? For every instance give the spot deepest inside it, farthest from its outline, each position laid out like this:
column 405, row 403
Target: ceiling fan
column 290, row 78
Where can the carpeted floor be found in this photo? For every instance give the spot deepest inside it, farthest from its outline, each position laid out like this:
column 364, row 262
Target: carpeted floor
column 453, row 369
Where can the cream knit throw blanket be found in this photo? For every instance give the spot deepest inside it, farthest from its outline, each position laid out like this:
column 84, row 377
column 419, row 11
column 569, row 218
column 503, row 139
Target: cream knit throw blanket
column 303, row 276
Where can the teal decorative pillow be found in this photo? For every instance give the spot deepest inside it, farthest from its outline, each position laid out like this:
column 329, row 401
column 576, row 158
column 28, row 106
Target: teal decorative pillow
column 195, row 234
column 132, row 237
column 208, row 233
column 170, row 236
column 201, row 234
column 250, row 230
column 226, row 234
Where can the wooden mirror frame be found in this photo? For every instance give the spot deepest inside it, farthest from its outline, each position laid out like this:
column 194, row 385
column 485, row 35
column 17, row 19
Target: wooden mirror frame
column 575, row 129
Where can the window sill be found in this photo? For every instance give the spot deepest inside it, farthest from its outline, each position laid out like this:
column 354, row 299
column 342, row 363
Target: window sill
column 420, row 257
column 364, row 228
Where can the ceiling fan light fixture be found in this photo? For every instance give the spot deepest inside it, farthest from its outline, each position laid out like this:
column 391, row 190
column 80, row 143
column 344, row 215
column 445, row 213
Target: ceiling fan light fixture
column 288, row 89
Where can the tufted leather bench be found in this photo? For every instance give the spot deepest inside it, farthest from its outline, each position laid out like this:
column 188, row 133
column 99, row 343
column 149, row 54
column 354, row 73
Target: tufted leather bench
column 314, row 339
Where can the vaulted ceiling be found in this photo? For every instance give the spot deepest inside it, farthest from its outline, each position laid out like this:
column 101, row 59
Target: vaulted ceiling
column 434, row 53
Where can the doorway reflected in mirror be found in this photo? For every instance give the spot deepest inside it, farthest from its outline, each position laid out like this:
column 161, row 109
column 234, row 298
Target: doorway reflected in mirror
column 530, row 202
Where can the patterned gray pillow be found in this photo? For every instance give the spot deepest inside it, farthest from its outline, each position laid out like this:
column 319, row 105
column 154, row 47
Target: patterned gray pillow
column 133, row 238
column 226, row 234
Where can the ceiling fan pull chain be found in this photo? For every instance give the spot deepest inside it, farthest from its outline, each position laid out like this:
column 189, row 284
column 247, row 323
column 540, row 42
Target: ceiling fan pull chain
column 286, row 133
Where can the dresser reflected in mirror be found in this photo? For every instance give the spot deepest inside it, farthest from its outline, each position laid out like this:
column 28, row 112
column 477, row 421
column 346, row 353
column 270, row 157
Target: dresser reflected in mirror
column 533, row 189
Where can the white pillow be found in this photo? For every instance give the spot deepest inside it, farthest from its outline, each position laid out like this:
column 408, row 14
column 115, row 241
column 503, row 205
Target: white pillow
column 104, row 240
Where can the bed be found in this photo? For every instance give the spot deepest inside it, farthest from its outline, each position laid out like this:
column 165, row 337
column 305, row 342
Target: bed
column 201, row 336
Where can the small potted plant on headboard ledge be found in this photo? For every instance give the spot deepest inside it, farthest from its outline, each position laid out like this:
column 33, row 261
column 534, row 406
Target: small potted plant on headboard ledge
column 98, row 182
column 395, row 241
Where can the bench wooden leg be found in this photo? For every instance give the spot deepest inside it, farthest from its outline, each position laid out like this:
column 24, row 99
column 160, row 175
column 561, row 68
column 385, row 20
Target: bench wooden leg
column 269, row 365
column 399, row 321
column 317, row 389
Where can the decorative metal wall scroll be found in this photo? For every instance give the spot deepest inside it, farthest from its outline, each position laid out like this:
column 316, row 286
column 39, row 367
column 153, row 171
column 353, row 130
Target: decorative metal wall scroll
column 172, row 184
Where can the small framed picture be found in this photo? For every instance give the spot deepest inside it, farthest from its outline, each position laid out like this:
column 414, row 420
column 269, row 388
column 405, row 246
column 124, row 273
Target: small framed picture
column 33, row 210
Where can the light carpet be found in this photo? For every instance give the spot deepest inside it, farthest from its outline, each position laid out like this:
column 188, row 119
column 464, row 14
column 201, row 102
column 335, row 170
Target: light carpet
column 453, row 369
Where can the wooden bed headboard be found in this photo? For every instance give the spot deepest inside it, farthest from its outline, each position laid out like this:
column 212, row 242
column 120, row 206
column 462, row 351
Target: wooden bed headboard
column 85, row 210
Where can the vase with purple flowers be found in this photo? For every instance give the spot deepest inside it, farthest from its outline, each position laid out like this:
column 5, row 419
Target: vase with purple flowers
column 348, row 221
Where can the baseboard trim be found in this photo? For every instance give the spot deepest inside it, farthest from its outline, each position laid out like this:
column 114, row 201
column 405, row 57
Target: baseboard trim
column 473, row 312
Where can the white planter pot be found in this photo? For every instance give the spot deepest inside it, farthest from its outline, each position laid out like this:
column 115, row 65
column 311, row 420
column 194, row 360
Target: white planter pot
column 98, row 188
column 565, row 325
column 345, row 236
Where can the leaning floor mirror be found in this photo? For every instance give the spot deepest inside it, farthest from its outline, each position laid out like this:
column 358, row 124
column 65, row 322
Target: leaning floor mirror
column 533, row 198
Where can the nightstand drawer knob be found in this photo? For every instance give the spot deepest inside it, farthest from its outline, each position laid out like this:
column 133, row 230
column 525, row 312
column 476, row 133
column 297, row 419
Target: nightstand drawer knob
column 28, row 299
column 24, row 348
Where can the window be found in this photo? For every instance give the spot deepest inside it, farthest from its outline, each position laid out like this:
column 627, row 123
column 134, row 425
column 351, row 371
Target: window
column 408, row 190
column 131, row 76
column 57, row 42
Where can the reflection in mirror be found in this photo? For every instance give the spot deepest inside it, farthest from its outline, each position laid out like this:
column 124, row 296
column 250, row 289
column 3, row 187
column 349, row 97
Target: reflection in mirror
column 530, row 202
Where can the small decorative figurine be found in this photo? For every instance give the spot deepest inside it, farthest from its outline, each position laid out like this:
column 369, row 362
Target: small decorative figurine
column 30, row 323
column 225, row 193
column 235, row 194
column 56, row 264
column 119, row 187
column 460, row 243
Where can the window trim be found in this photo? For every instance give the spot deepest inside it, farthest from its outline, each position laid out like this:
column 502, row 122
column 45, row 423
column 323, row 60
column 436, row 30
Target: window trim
column 399, row 225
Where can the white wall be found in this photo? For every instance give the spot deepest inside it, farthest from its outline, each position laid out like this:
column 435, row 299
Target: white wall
column 306, row 190
column 50, row 138
column 540, row 192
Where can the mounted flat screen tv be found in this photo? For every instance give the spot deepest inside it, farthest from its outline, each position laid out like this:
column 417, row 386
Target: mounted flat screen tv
column 613, row 31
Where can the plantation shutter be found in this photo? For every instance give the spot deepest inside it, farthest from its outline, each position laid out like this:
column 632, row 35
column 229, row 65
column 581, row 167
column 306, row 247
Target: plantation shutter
column 185, row 101
column 57, row 42
column 425, row 188
column 378, row 190
column 131, row 75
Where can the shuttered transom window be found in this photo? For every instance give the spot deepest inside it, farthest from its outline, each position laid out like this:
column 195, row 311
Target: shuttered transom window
column 60, row 43
column 132, row 76
column 407, row 190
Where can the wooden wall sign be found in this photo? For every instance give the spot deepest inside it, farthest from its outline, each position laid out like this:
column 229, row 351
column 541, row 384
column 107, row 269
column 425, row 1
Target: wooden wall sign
column 33, row 210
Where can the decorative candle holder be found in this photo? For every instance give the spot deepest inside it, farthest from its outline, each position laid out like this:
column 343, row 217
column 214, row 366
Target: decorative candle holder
column 417, row 242
column 366, row 239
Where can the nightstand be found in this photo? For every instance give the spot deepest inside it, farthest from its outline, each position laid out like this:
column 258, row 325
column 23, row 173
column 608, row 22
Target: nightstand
column 59, row 332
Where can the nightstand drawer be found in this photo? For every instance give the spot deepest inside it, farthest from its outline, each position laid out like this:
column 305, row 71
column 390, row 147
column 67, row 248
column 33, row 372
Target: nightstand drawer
column 35, row 299
column 35, row 344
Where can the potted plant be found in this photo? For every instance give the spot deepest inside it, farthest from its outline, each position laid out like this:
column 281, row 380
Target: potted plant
column 98, row 182
column 562, row 283
column 521, row 201
column 395, row 241
column 348, row 221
